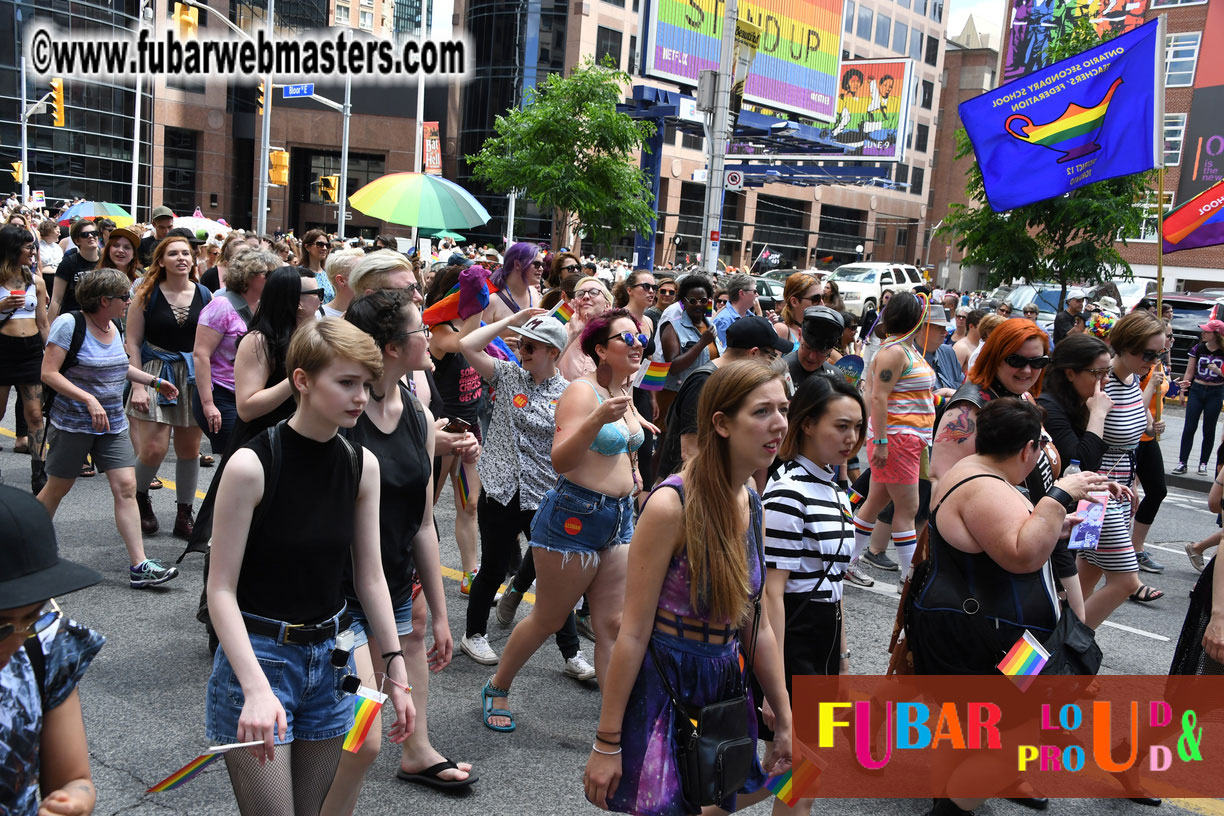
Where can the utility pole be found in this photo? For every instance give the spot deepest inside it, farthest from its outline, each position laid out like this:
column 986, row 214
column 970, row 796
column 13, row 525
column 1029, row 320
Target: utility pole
column 140, row 20
column 25, row 164
column 717, row 144
column 341, row 211
column 261, row 219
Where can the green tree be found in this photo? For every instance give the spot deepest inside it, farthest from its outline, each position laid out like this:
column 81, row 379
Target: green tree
column 571, row 152
column 1068, row 239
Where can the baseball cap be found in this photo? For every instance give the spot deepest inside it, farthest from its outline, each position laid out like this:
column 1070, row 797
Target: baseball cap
column 33, row 570
column 457, row 259
column 546, row 329
column 822, row 327
column 752, row 331
column 183, row 232
column 1213, row 325
column 161, row 212
column 1076, row 294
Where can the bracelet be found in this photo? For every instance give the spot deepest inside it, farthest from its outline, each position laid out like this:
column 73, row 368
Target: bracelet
column 844, row 655
column 156, row 383
column 1062, row 497
column 391, row 655
column 883, row 441
column 606, row 741
column 605, row 753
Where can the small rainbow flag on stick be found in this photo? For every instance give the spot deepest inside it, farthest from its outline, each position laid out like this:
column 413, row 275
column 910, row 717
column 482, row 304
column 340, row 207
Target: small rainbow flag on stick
column 652, row 376
column 366, row 706
column 798, row 782
column 563, row 312
column 193, row 768
column 465, row 490
column 1025, row 660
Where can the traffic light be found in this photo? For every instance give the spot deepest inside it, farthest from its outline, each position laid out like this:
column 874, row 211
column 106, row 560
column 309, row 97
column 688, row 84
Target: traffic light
column 278, row 173
column 57, row 100
column 328, row 187
column 259, row 99
column 188, row 20
column 16, row 172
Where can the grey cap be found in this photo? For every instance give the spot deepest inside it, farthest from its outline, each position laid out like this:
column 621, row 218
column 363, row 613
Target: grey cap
column 546, row 329
column 161, row 212
column 1076, row 294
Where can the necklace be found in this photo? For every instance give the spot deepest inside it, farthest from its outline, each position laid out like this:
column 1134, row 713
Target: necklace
column 104, row 329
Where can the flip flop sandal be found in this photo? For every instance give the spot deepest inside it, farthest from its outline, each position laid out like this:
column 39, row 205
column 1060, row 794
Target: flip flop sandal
column 87, row 470
column 21, row 447
column 156, row 484
column 431, row 777
column 1147, row 594
column 206, row 460
column 486, row 703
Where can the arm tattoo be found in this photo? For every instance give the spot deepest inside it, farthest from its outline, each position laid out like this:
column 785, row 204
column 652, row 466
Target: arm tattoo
column 886, row 375
column 960, row 429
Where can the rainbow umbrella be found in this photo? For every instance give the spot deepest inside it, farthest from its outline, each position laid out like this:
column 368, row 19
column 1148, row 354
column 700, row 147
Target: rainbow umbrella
column 419, row 200
column 89, row 210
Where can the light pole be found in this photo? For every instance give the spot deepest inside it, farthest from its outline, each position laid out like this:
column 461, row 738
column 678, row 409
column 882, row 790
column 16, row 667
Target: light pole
column 346, row 111
column 719, row 120
column 25, row 115
column 140, row 20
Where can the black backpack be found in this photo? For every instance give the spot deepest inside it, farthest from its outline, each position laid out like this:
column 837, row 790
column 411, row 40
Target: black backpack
column 70, row 359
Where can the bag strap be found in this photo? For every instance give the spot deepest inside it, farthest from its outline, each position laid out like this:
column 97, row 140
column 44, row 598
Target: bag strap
column 38, row 662
column 70, row 359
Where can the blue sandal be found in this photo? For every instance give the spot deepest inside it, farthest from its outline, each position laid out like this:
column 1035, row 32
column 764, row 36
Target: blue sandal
column 486, row 702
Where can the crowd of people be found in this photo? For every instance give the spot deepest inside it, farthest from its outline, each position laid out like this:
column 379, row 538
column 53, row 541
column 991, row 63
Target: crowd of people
column 732, row 500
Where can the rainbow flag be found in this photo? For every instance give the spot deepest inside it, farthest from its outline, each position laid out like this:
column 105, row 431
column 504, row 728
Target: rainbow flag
column 465, row 490
column 1197, row 223
column 447, row 308
column 652, row 376
column 366, row 706
column 563, row 312
column 184, row 774
column 792, row 785
column 1025, row 660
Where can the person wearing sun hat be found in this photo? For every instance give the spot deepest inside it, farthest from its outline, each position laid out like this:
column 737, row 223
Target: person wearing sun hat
column 42, row 658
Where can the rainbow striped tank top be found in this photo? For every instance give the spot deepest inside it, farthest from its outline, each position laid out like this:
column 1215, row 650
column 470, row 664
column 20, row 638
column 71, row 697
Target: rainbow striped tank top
column 911, row 404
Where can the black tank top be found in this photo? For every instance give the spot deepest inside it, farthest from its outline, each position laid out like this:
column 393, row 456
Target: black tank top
column 161, row 327
column 296, row 555
column 404, row 468
column 959, row 578
column 459, row 386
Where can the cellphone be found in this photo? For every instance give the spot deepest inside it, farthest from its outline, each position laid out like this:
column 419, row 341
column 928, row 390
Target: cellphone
column 457, row 425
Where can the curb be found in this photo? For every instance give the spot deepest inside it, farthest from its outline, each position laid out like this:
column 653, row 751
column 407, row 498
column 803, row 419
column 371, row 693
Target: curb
column 1188, row 482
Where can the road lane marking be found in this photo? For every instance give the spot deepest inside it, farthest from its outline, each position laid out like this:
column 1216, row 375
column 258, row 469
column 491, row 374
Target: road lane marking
column 1134, row 631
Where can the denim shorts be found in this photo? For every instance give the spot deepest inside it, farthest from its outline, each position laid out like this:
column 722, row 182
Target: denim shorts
column 301, row 677
column 403, row 622
column 575, row 520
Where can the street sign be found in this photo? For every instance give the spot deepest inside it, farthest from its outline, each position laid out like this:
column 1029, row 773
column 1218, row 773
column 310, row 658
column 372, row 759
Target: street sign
column 714, row 236
column 735, row 180
column 295, row 91
column 701, row 175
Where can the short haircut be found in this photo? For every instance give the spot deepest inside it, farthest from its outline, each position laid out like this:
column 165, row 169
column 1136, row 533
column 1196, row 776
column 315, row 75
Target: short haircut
column 375, row 269
column 737, row 283
column 988, row 323
column 246, row 265
column 93, row 286
column 582, row 283
column 78, row 227
column 1006, row 426
column 48, row 227
column 903, row 312
column 1132, row 332
column 341, row 262
column 318, row 342
column 692, row 282
column 599, row 329
column 382, row 315
column 233, row 244
column 975, row 317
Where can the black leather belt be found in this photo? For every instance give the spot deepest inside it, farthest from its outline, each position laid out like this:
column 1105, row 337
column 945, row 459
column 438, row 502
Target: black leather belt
column 299, row 634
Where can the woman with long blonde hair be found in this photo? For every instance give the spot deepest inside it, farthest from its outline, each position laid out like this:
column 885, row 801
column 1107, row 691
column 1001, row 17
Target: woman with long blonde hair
column 695, row 568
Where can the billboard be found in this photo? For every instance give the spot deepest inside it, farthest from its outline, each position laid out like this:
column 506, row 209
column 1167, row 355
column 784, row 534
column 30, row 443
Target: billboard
column 1202, row 163
column 433, row 148
column 1035, row 22
column 872, row 114
column 795, row 69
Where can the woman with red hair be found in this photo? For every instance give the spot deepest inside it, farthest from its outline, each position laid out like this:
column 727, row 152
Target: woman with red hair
column 1011, row 364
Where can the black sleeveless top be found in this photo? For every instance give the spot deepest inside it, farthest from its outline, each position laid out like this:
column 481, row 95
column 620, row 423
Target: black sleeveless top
column 297, row 552
column 459, row 386
column 404, row 467
column 161, row 327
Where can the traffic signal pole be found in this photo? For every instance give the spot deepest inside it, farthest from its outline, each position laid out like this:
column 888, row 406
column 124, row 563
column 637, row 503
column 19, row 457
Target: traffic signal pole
column 25, row 127
column 342, row 197
column 261, row 219
column 717, row 144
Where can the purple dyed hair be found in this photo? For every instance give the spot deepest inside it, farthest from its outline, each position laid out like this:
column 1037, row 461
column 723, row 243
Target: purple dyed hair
column 599, row 329
column 516, row 257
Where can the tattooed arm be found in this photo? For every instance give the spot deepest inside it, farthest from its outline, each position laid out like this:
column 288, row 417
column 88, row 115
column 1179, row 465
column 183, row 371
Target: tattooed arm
column 954, row 438
column 887, row 367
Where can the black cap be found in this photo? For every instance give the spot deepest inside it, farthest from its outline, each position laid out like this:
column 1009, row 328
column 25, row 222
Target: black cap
column 822, row 327
column 32, row 569
column 751, row 332
column 183, row 232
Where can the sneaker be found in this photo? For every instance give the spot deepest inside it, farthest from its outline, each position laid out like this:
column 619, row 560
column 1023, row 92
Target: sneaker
column 477, row 647
column 507, row 605
column 856, row 576
column 1149, row 564
column 150, row 573
column 1202, row 468
column 577, row 668
column 584, row 626
column 880, row 561
column 465, row 585
column 1181, row 468
column 1196, row 559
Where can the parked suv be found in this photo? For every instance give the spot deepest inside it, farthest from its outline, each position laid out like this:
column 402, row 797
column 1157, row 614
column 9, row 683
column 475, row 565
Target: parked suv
column 860, row 284
column 1190, row 310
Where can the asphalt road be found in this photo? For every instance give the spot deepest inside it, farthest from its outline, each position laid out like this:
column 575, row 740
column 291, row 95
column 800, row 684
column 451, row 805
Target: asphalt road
column 144, row 695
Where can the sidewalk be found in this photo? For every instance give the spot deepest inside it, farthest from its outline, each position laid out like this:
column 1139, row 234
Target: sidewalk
column 1170, row 441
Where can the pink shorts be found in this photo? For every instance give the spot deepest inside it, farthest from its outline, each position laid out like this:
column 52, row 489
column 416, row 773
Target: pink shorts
column 904, row 457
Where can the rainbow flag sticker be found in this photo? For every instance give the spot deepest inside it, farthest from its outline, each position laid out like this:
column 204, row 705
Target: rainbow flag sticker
column 652, row 376
column 193, row 768
column 563, row 312
column 1025, row 660
column 465, row 490
column 796, row 783
column 366, row 706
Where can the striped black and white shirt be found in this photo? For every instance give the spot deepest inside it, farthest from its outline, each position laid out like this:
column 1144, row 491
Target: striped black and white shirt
column 808, row 531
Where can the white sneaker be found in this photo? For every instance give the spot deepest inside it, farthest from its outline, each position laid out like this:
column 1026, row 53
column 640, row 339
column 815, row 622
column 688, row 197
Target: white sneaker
column 477, row 647
column 577, row 668
column 856, row 576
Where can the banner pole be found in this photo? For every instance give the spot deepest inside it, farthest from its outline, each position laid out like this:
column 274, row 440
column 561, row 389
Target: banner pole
column 1160, row 178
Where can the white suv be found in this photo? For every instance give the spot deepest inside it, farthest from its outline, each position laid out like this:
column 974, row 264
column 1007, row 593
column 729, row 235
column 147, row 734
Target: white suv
column 860, row 284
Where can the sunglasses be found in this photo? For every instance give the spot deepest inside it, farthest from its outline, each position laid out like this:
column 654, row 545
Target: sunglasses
column 1004, row 311
column 48, row 615
column 696, row 301
column 1149, row 356
column 1098, row 373
column 817, row 298
column 321, row 244
column 531, row 348
column 570, row 268
column 1030, row 311
column 538, row 264
column 92, row 235
column 316, row 292
column 588, row 293
column 1020, row 361
column 648, row 287
column 667, row 292
column 126, row 297
column 630, row 339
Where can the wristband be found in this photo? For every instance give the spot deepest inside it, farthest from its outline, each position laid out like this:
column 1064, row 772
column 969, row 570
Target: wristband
column 606, row 753
column 156, row 383
column 1062, row 497
column 844, row 655
column 387, row 657
column 883, row 441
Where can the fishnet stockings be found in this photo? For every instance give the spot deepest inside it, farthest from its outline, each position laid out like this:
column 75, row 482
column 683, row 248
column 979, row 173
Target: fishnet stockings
column 294, row 783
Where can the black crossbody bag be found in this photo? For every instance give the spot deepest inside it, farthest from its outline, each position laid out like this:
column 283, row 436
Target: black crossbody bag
column 714, row 751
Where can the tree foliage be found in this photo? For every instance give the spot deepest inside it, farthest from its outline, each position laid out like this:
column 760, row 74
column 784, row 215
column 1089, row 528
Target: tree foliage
column 1068, row 239
column 570, row 151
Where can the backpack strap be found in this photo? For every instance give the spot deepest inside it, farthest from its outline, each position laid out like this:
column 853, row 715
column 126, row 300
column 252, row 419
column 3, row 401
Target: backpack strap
column 270, row 475
column 38, row 662
column 70, row 359
column 354, row 461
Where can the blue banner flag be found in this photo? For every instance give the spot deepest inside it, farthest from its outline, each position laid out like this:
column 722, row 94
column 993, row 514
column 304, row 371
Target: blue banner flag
column 1095, row 116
